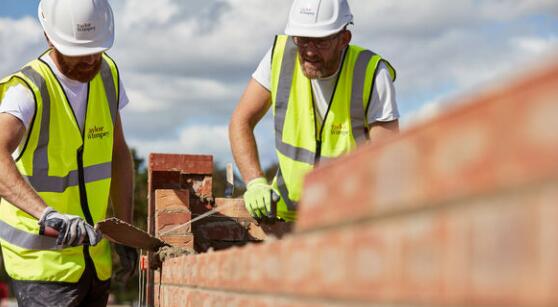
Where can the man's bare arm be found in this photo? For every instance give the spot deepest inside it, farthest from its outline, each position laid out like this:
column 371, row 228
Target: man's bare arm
column 122, row 184
column 13, row 186
column 380, row 130
column 253, row 105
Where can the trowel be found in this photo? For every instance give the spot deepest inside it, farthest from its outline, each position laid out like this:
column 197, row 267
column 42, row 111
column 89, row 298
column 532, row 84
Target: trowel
column 118, row 231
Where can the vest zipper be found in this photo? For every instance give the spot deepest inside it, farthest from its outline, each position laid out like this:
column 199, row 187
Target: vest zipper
column 318, row 138
column 319, row 134
column 82, row 190
column 84, row 206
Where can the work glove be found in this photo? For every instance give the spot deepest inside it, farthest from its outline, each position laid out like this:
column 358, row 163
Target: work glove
column 128, row 262
column 72, row 229
column 258, row 198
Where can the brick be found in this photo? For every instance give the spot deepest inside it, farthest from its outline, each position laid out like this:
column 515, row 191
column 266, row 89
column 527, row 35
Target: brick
column 179, row 296
column 201, row 186
column 225, row 230
column 232, row 207
column 183, row 240
column 167, row 220
column 423, row 244
column 186, row 164
column 164, row 180
column 171, row 199
column 509, row 254
column 171, row 210
column 499, row 139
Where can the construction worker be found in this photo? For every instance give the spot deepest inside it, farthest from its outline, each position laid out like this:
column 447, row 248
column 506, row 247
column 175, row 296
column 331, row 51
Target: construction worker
column 327, row 97
column 63, row 157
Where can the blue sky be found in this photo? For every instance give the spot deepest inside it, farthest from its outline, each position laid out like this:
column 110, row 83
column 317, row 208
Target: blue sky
column 18, row 8
column 185, row 63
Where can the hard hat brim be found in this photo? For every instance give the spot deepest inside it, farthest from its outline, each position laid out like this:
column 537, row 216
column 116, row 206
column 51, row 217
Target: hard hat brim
column 82, row 51
column 298, row 30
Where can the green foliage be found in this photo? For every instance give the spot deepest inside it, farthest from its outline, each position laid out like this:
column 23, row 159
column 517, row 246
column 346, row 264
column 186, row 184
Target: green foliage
column 129, row 292
column 140, row 191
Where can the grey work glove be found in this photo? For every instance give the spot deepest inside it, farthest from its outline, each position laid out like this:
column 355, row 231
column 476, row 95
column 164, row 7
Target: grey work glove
column 72, row 229
column 128, row 262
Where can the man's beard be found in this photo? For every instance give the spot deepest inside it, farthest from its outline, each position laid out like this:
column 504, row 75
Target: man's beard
column 323, row 69
column 81, row 72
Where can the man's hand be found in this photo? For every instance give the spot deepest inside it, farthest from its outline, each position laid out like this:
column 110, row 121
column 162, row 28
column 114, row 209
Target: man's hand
column 258, row 198
column 72, row 229
column 128, row 262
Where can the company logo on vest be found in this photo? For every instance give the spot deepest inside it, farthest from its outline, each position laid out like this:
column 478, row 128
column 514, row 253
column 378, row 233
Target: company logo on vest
column 97, row 133
column 339, row 129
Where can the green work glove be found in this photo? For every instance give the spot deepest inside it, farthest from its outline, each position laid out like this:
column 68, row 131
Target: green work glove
column 258, row 197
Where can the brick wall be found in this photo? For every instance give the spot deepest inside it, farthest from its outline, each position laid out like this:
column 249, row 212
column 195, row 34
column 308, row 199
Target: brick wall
column 459, row 211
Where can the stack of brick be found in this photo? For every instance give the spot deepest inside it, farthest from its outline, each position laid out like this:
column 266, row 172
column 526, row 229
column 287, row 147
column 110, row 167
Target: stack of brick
column 459, row 211
column 180, row 189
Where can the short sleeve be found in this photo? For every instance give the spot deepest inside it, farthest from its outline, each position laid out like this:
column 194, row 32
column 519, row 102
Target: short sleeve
column 263, row 73
column 19, row 102
column 123, row 101
column 383, row 105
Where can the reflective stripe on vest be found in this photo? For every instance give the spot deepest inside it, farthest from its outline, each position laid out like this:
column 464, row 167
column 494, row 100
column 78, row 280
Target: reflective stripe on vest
column 25, row 239
column 283, row 92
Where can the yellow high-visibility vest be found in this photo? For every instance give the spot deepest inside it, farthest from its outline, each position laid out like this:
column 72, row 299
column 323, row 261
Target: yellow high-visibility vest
column 299, row 144
column 70, row 170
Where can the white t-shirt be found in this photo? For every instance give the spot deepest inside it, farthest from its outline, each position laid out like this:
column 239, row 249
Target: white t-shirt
column 383, row 106
column 19, row 101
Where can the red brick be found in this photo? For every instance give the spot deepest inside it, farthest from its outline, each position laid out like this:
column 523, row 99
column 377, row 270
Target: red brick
column 178, row 296
column 186, row 164
column 171, row 210
column 423, row 244
column 172, row 199
column 164, row 180
column 201, row 185
column 167, row 220
column 183, row 240
column 234, row 207
column 225, row 230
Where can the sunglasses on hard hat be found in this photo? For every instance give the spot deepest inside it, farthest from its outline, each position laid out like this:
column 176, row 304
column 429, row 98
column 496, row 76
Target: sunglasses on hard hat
column 319, row 43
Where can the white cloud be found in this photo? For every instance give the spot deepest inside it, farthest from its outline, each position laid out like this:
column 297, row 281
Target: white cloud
column 192, row 140
column 426, row 112
column 204, row 139
column 506, row 10
column 536, row 45
column 157, row 92
column 21, row 41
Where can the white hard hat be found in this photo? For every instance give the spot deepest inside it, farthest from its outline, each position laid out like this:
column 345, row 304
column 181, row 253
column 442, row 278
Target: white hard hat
column 78, row 27
column 318, row 18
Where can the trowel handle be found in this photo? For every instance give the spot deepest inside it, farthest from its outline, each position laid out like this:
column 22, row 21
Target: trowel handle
column 50, row 232
column 274, row 200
